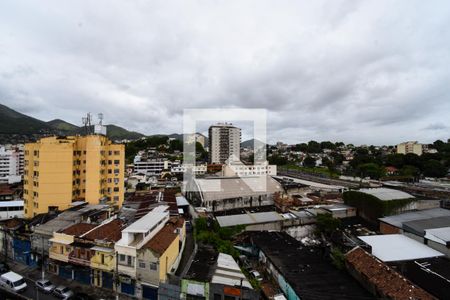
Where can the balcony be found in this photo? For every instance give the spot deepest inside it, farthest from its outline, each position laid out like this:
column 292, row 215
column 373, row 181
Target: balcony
column 59, row 256
column 81, row 261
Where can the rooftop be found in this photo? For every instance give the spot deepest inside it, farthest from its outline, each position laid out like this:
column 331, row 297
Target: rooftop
column 418, row 227
column 387, row 281
column 305, row 269
column 214, row 188
column 397, row 247
column 164, row 238
column 110, row 232
column 147, row 222
column 228, row 272
column 386, row 194
column 398, row 220
column 439, row 235
column 249, row 218
column 78, row 229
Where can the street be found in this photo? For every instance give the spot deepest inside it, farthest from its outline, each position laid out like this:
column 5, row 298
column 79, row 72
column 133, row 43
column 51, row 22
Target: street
column 32, row 292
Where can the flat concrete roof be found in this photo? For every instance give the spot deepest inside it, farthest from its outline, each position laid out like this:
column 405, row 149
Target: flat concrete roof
column 397, row 247
column 398, row 220
column 151, row 219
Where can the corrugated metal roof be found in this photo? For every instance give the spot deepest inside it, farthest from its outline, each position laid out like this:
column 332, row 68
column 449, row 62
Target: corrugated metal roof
column 233, row 187
column 418, row 226
column 398, row 220
column 397, row 247
column 387, row 194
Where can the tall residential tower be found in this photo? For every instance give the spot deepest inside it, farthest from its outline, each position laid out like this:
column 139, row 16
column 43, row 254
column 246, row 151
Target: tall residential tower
column 61, row 170
column 224, row 143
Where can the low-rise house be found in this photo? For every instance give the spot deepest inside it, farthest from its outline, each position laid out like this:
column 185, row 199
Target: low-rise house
column 381, row 280
column 160, row 256
column 70, row 254
column 215, row 276
column 103, row 259
column 148, row 249
column 302, row 272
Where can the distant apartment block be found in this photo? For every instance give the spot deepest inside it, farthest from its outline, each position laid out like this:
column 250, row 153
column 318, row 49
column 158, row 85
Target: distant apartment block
column 224, row 143
column 410, row 147
column 241, row 170
column 152, row 166
column 11, row 163
column 61, row 170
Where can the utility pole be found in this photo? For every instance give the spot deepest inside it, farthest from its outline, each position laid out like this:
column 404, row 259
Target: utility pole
column 116, row 276
column 43, row 260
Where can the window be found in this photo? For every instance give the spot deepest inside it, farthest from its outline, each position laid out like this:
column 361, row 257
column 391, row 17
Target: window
column 217, row 297
column 102, row 258
column 116, row 171
column 116, row 189
column 141, row 264
column 153, row 266
column 122, row 257
column 116, row 152
column 116, row 161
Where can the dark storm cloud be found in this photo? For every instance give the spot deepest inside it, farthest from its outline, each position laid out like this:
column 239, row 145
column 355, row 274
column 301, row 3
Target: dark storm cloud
column 363, row 72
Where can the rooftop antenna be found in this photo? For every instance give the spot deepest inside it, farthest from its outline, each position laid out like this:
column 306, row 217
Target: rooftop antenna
column 100, row 118
column 84, row 120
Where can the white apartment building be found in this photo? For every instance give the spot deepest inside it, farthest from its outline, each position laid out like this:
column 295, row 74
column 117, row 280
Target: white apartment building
column 224, row 143
column 242, row 170
column 195, row 169
column 11, row 163
column 152, row 166
column 410, row 147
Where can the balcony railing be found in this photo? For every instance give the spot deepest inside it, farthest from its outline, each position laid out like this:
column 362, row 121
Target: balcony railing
column 80, row 261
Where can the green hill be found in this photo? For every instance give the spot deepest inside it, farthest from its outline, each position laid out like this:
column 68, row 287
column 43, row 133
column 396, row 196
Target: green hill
column 63, row 126
column 13, row 122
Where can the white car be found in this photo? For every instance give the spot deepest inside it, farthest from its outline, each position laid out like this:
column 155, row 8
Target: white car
column 45, row 285
column 13, row 281
column 63, row 292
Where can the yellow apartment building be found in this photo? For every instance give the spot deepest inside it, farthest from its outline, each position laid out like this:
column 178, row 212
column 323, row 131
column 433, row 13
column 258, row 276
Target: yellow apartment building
column 61, row 170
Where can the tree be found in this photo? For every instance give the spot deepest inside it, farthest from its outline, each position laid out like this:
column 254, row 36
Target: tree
column 314, row 147
column 395, row 160
column 327, row 145
column 326, row 224
column 433, row 168
column 410, row 171
column 309, row 162
column 303, row 147
column 277, row 160
column 371, row 170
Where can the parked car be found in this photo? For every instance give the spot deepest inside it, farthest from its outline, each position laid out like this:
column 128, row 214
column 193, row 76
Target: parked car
column 45, row 285
column 3, row 268
column 62, row 292
column 13, row 282
column 256, row 275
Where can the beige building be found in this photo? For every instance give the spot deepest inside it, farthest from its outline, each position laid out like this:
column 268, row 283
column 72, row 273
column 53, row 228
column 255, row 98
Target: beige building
column 61, row 170
column 410, row 147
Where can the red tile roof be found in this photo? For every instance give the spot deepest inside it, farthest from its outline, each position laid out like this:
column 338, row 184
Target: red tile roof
column 78, row 229
column 111, row 232
column 386, row 280
column 164, row 238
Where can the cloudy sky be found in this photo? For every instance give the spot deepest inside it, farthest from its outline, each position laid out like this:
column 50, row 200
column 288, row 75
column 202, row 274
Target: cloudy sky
column 363, row 72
